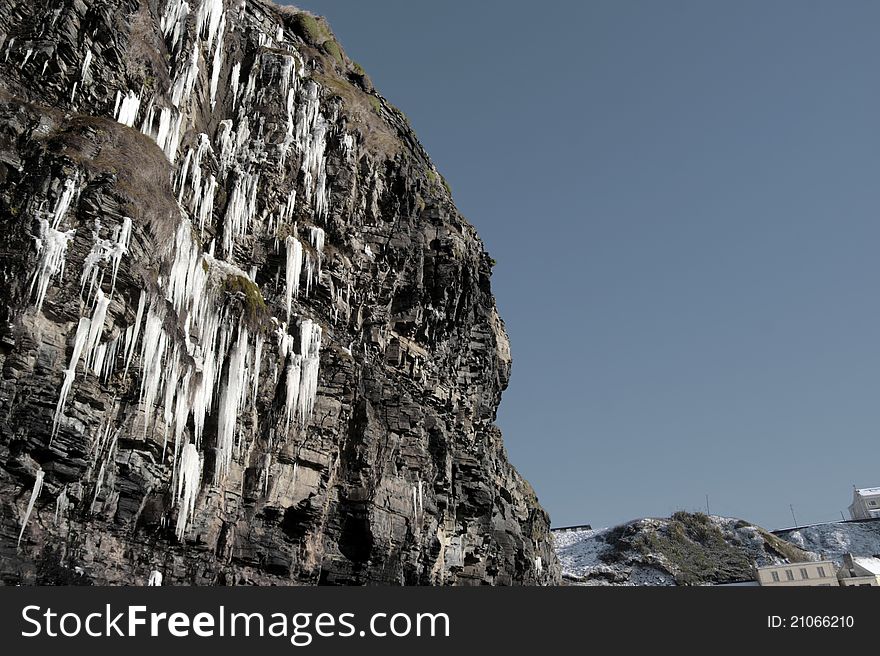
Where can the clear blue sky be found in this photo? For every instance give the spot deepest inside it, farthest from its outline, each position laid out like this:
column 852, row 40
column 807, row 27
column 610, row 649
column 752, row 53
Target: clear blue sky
column 683, row 201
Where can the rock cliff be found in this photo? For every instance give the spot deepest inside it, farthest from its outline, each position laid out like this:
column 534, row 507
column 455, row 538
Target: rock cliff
column 246, row 337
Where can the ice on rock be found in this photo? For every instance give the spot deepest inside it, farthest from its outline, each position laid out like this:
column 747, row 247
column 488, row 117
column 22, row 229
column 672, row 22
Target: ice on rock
column 173, row 23
column 82, row 333
column 162, row 124
column 293, row 382
column 131, row 333
column 52, row 247
column 62, row 502
column 231, row 401
column 293, row 269
column 241, row 209
column 155, row 579
column 310, row 349
column 234, row 83
column 186, row 79
column 127, row 109
column 316, row 237
column 206, row 203
column 35, row 492
column 96, row 328
column 209, row 18
column 217, row 64
column 188, row 480
column 105, row 250
column 311, row 141
column 87, row 63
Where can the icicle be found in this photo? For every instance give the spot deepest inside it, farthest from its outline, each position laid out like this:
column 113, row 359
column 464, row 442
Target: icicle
column 230, row 402
column 131, row 337
column 52, row 246
column 258, row 355
column 186, row 79
column 206, row 204
column 234, row 82
column 294, row 383
column 310, row 348
column 316, row 236
column 218, row 61
column 120, row 248
column 82, row 332
column 63, row 203
column 209, row 18
column 96, row 328
column 61, row 504
column 240, row 210
column 38, row 485
column 348, row 145
column 294, row 267
column 539, row 565
column 87, row 62
column 152, row 352
column 173, row 22
column 310, row 272
column 155, row 576
column 128, row 110
column 188, row 480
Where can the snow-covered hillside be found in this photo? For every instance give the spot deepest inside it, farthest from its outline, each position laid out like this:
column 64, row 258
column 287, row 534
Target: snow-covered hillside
column 685, row 549
column 831, row 541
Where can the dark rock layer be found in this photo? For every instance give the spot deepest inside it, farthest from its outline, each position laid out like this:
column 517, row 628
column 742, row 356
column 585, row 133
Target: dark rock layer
column 177, row 447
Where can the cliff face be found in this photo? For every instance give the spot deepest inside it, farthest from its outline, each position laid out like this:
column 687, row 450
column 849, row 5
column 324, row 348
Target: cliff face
column 246, row 335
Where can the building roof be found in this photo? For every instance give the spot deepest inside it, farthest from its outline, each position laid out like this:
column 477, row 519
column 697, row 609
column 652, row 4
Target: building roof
column 868, row 491
column 870, row 564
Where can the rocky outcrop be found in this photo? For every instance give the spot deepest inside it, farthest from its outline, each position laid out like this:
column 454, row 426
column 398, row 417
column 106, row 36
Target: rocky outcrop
column 247, row 338
column 685, row 549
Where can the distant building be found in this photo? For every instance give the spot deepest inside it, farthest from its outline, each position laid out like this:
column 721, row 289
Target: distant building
column 822, row 573
column 859, row 571
column 572, row 529
column 866, row 503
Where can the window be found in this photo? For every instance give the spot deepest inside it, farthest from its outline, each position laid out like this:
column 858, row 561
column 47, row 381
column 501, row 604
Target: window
column 821, row 572
column 804, row 574
column 872, row 503
column 789, row 575
column 775, row 576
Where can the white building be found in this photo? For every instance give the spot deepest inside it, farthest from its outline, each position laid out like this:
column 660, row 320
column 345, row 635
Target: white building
column 866, row 503
column 822, row 573
column 859, row 571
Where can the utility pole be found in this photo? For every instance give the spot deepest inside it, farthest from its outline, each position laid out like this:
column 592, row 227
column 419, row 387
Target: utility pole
column 707, row 505
column 792, row 514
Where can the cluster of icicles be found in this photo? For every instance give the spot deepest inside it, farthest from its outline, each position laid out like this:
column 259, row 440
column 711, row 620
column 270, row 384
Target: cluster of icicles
column 215, row 369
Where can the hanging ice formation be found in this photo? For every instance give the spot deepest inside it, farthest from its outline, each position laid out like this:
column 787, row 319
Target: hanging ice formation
column 173, row 23
column 62, row 502
column 126, row 109
column 189, row 352
column 35, row 492
column 155, row 579
column 316, row 236
column 105, row 250
column 52, row 243
column 52, row 248
column 294, row 267
column 188, row 482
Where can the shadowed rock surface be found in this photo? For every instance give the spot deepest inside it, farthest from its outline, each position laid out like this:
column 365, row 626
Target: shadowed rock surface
column 246, row 337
